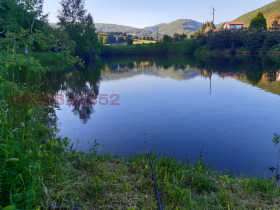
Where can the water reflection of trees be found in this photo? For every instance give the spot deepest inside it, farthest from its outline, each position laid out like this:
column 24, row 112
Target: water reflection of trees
column 76, row 84
column 262, row 71
column 252, row 69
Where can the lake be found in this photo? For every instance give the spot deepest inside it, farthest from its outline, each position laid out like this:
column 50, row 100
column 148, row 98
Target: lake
column 228, row 108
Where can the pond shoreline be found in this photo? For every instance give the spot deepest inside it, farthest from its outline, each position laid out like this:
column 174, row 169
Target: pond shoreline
column 226, row 53
column 56, row 176
column 109, row 181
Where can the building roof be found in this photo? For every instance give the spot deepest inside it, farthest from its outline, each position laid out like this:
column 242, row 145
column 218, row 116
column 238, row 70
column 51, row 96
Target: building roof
column 237, row 23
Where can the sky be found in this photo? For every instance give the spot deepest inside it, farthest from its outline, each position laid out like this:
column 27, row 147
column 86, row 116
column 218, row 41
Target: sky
column 144, row 13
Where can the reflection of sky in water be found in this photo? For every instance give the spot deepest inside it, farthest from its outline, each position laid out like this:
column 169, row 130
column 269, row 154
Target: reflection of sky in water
column 235, row 123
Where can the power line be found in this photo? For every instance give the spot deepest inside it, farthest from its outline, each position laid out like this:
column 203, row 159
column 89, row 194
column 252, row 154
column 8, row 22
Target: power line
column 157, row 34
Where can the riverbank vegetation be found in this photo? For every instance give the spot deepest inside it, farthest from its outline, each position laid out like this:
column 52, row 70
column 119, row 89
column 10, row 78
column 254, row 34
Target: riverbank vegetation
column 160, row 48
column 40, row 170
column 257, row 39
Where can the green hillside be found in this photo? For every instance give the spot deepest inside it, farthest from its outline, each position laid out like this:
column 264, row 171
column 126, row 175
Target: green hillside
column 269, row 9
column 179, row 26
column 103, row 27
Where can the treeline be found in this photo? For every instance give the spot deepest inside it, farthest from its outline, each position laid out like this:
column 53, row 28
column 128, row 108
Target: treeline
column 163, row 47
column 113, row 37
column 244, row 40
column 118, row 37
column 75, row 30
column 256, row 38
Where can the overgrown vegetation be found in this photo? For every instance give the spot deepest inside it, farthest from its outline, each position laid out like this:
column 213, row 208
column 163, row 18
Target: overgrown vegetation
column 239, row 40
column 40, row 170
column 92, row 181
column 160, row 48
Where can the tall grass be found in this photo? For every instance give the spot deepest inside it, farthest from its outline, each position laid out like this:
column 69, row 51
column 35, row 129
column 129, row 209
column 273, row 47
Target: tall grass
column 29, row 147
column 161, row 48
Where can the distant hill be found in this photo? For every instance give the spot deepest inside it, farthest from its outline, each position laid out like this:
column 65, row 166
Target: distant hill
column 268, row 10
column 179, row 26
column 103, row 27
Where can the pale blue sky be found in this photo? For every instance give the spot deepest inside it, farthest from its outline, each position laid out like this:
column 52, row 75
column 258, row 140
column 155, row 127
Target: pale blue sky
column 144, row 13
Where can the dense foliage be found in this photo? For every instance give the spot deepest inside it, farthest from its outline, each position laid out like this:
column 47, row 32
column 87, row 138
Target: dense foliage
column 79, row 26
column 26, row 14
column 243, row 40
column 258, row 23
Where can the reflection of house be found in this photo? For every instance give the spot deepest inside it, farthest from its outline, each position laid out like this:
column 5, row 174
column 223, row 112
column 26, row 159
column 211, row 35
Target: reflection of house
column 231, row 75
column 233, row 26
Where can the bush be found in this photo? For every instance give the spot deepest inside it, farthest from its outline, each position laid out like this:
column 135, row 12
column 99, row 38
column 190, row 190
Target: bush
column 167, row 38
column 129, row 41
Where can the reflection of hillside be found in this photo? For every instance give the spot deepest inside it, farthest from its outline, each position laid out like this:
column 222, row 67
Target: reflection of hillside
column 120, row 71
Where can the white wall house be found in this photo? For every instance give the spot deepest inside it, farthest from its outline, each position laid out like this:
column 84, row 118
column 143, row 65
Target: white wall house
column 233, row 26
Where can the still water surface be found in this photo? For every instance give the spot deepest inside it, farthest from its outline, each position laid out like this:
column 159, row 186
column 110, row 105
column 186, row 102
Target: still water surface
column 228, row 106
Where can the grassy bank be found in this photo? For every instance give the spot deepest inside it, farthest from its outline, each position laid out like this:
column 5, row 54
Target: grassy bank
column 161, row 48
column 180, row 48
column 90, row 181
column 29, row 147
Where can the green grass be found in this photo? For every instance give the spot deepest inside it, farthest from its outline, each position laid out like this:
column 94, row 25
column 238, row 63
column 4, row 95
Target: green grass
column 29, row 148
column 53, row 61
column 269, row 9
column 161, row 48
column 104, row 182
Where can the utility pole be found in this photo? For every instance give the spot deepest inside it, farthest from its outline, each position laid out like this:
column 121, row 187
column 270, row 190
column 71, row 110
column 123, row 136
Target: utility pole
column 213, row 14
column 157, row 34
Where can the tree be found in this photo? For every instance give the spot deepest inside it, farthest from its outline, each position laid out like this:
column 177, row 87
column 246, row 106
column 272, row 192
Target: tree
column 129, row 41
column 34, row 10
column 176, row 37
column 183, row 36
column 26, row 14
column 167, row 38
column 22, row 14
column 271, row 20
column 275, row 26
column 73, row 18
column 106, row 40
column 258, row 23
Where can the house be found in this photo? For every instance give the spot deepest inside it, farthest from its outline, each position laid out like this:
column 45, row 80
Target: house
column 233, row 26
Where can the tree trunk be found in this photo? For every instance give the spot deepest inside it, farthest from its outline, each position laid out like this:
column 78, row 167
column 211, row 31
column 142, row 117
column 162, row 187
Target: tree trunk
column 26, row 51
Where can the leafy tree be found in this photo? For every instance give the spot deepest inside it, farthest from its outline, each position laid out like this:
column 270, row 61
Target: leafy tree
column 176, row 37
column 26, row 14
column 183, row 36
column 275, row 26
column 22, row 14
column 167, row 38
column 258, row 23
column 106, row 40
column 73, row 18
column 120, row 39
column 34, row 13
column 272, row 21
column 134, row 37
column 129, row 41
